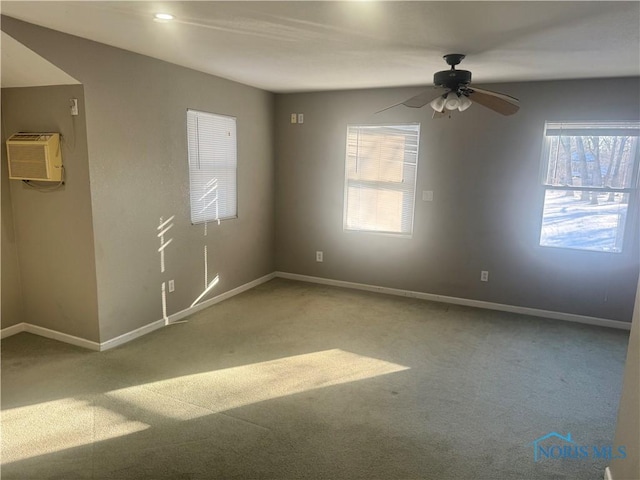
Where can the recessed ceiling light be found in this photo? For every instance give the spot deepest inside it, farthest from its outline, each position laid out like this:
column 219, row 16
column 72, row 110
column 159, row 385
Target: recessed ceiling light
column 163, row 17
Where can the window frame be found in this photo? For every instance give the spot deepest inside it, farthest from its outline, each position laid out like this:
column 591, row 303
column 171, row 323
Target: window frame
column 585, row 129
column 198, row 183
column 389, row 185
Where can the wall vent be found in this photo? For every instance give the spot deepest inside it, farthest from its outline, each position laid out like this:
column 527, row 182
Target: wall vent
column 35, row 156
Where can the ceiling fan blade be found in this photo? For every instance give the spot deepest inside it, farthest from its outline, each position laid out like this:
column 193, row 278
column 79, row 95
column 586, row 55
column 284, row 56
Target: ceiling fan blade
column 498, row 102
column 504, row 96
column 387, row 108
column 419, row 100
column 423, row 98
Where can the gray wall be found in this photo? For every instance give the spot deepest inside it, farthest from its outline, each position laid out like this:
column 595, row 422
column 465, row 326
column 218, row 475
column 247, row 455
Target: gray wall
column 136, row 116
column 484, row 171
column 53, row 232
column 11, row 310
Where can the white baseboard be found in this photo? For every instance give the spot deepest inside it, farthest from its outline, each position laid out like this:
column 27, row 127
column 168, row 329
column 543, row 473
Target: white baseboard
column 133, row 334
column 607, row 474
column 62, row 337
column 570, row 317
column 48, row 333
column 127, row 337
column 12, row 330
column 223, row 296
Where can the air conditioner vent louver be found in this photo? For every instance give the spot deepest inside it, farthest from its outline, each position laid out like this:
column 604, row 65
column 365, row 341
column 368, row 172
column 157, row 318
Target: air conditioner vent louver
column 28, row 137
column 35, row 156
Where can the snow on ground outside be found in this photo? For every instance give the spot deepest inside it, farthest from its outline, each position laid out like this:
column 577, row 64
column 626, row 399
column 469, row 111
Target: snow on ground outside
column 569, row 222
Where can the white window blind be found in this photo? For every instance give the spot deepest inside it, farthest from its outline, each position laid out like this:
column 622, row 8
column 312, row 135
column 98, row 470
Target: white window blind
column 380, row 178
column 212, row 151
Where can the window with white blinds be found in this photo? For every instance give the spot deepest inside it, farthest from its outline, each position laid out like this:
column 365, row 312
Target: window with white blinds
column 211, row 140
column 380, row 178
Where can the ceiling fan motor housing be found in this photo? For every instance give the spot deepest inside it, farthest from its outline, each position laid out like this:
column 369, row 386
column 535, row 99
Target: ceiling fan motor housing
column 452, row 79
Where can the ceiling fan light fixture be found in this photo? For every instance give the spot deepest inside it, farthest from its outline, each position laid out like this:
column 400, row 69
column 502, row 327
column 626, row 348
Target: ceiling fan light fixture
column 455, row 93
column 438, row 103
column 464, row 103
column 452, row 102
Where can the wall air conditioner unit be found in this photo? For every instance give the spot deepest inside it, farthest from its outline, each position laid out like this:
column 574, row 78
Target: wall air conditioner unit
column 35, row 156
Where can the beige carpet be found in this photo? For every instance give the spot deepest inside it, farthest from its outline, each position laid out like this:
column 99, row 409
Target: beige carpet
column 293, row 380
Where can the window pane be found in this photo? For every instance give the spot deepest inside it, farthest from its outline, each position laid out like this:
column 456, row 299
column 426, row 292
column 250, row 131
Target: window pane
column 377, row 157
column 584, row 162
column 584, row 220
column 374, row 209
column 591, row 160
column 380, row 178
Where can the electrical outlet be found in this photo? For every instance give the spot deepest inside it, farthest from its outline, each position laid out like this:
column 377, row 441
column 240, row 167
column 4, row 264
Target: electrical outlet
column 301, row 118
column 427, row 195
column 319, row 256
column 484, row 276
column 172, row 286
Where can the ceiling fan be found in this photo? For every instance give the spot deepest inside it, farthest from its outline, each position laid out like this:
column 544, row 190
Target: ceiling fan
column 457, row 94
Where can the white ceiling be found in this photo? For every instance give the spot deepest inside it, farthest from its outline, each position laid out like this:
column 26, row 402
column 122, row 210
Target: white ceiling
column 308, row 46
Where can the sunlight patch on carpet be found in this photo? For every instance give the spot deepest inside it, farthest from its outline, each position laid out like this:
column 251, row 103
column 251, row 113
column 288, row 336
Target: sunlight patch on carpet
column 235, row 387
column 50, row 427
column 68, row 423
